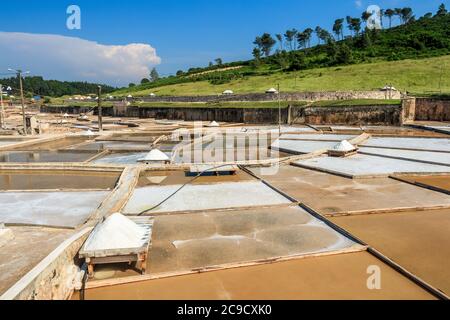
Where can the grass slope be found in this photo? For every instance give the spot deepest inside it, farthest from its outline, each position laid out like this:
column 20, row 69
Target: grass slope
column 422, row 76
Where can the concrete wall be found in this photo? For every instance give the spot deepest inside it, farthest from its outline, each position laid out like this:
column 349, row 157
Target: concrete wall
column 429, row 109
column 291, row 96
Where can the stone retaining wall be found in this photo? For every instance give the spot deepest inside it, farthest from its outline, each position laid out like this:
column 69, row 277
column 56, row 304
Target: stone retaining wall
column 352, row 115
column 194, row 114
column 377, row 114
column 429, row 109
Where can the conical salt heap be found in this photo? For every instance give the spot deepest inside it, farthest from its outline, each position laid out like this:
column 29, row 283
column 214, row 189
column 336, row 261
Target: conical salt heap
column 89, row 133
column 155, row 156
column 344, row 146
column 343, row 149
column 213, row 124
column 116, row 232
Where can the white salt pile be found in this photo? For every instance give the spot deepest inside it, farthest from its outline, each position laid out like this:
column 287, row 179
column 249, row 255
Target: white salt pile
column 89, row 133
column 116, row 232
column 344, row 146
column 213, row 124
column 155, row 155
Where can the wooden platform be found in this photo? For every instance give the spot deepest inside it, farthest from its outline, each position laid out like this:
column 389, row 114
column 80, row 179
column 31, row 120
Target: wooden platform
column 342, row 154
column 130, row 255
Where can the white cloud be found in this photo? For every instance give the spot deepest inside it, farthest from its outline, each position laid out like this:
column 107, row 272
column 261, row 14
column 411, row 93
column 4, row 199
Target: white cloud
column 68, row 58
column 358, row 3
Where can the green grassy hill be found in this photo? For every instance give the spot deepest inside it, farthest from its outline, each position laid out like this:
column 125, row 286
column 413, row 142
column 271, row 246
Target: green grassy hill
column 419, row 76
column 413, row 57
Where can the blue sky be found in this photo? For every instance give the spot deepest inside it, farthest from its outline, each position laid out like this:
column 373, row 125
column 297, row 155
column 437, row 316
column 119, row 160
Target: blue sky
column 183, row 33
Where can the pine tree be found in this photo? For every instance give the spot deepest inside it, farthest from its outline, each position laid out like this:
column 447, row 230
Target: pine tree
column 154, row 76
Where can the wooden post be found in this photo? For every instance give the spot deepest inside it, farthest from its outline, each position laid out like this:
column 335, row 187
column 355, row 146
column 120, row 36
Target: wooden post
column 90, row 266
column 289, row 115
column 100, row 120
column 19, row 74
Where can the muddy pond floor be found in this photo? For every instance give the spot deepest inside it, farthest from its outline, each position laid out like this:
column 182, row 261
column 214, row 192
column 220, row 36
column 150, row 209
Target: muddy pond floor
column 436, row 182
column 330, row 194
column 46, row 180
column 417, row 240
column 329, row 277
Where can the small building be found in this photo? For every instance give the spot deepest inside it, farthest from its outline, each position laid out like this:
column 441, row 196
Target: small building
column 388, row 88
column 272, row 91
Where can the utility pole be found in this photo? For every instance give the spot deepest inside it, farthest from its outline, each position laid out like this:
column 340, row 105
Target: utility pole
column 19, row 75
column 99, row 99
column 2, row 112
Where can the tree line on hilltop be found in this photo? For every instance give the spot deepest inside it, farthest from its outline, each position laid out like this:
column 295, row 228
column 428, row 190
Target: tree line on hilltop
column 363, row 41
column 37, row 86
